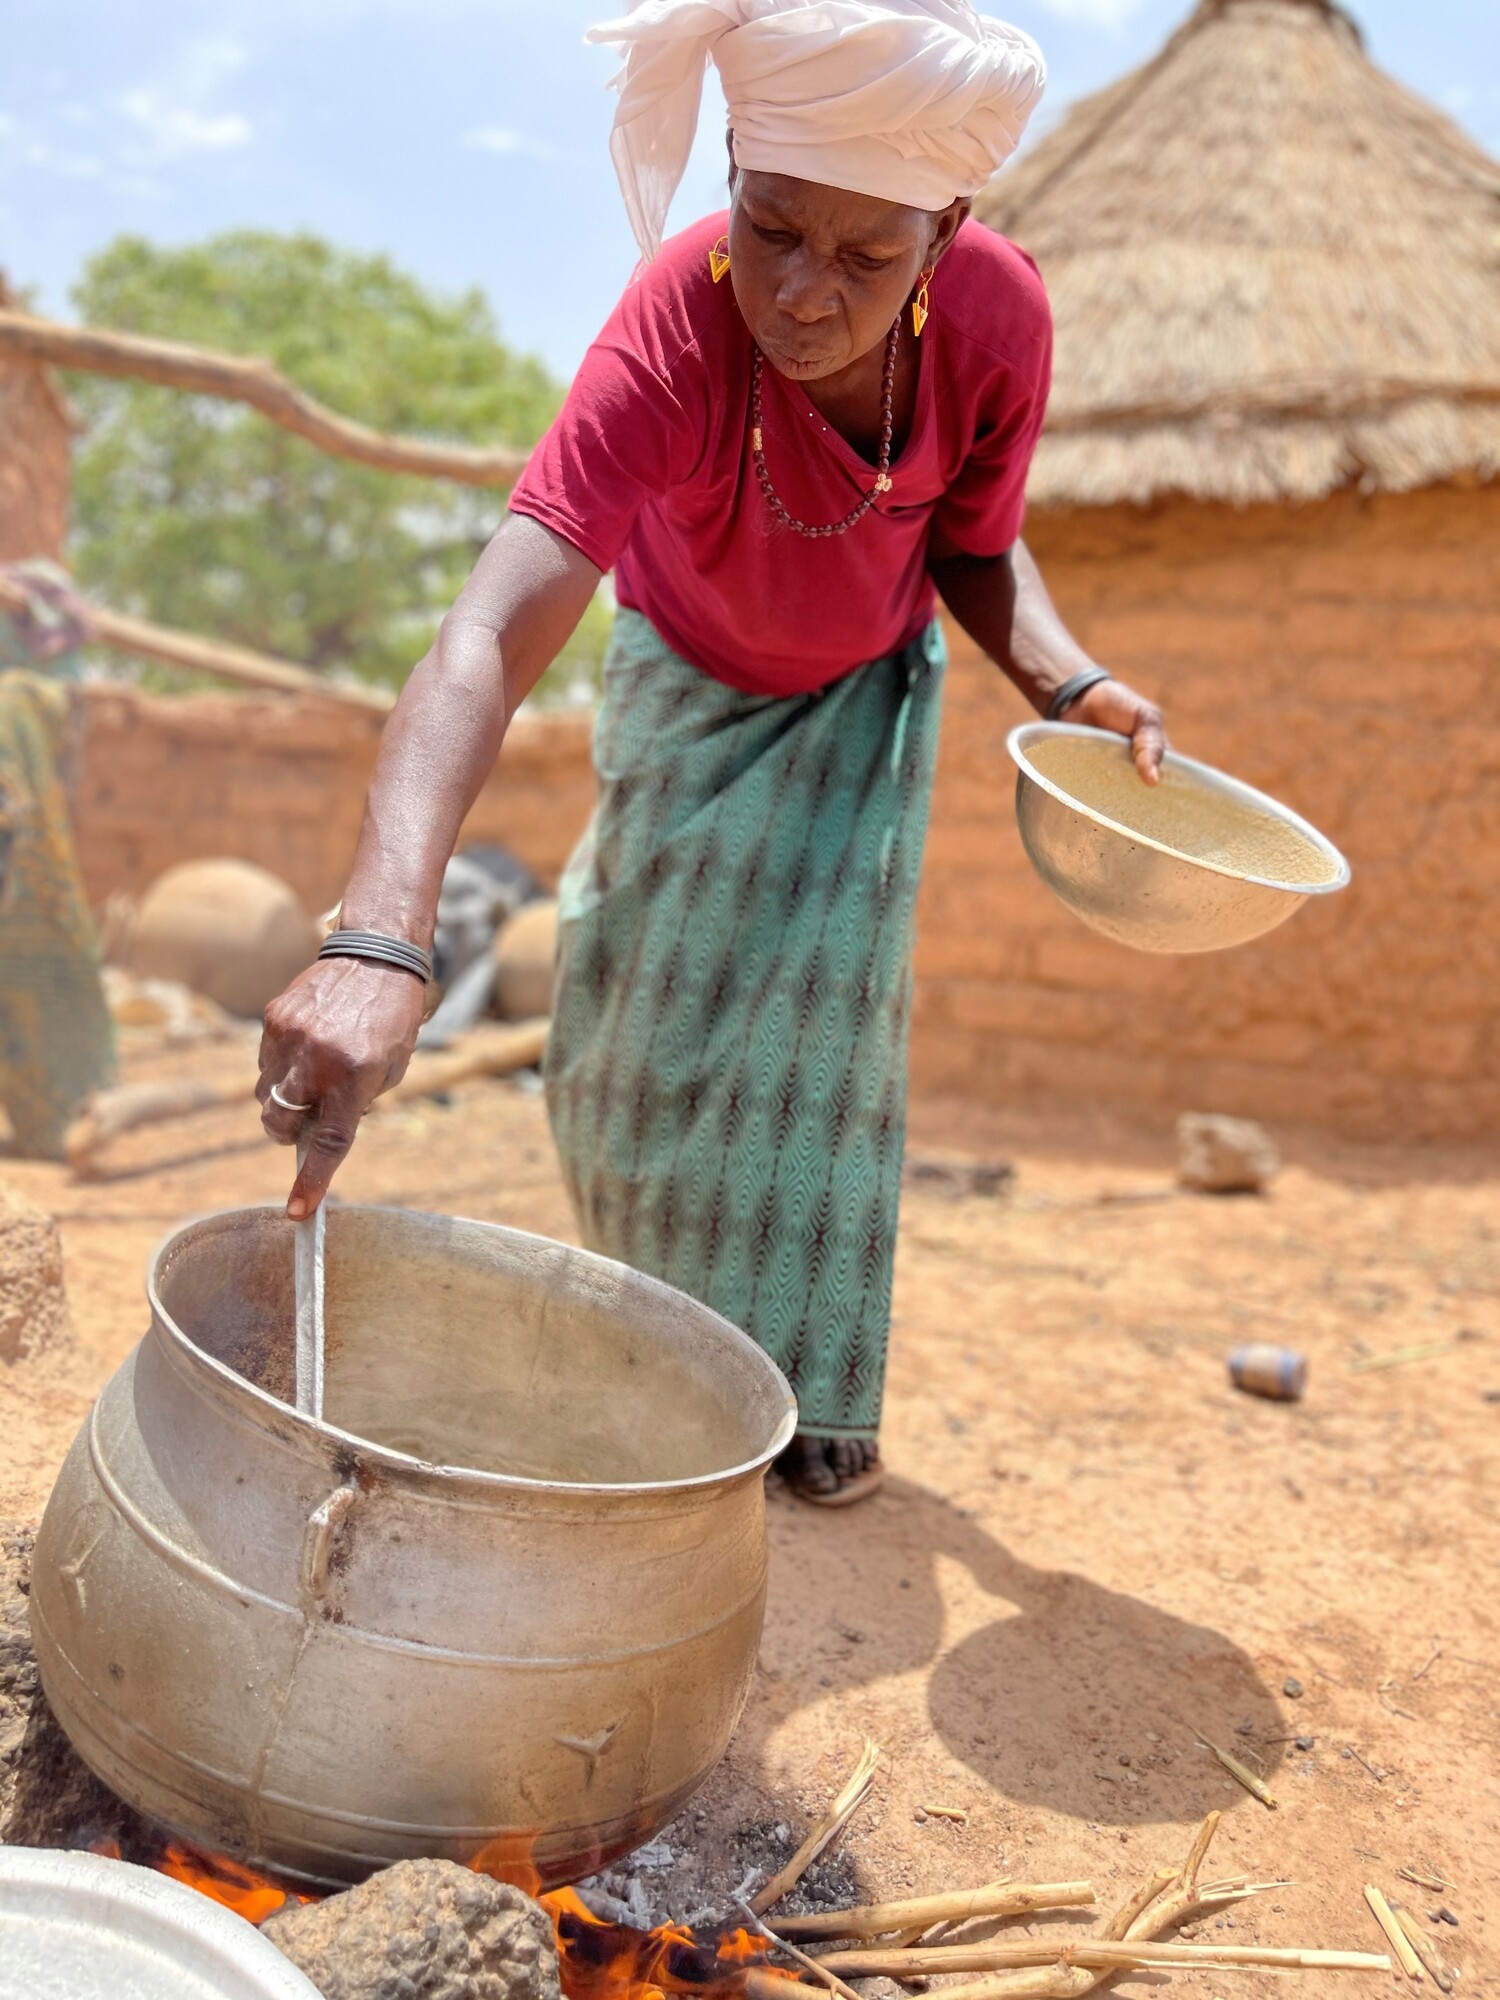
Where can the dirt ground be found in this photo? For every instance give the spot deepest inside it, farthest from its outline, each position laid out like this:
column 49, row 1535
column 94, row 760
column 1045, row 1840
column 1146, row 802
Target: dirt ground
column 1093, row 1554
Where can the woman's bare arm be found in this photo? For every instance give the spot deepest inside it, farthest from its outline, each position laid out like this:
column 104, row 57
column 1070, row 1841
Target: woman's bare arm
column 343, row 1030
column 1002, row 603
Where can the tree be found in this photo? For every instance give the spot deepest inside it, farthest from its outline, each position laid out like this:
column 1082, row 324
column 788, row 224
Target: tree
column 202, row 515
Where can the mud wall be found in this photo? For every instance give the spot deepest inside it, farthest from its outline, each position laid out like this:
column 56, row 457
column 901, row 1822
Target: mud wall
column 1345, row 657
column 282, row 782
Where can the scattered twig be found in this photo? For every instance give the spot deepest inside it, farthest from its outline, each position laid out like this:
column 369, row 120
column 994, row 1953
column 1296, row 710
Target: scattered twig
column 1391, row 1707
column 1242, row 1774
column 828, row 1978
column 1427, row 1350
column 955, row 1906
column 1378, row 1776
column 1432, row 1659
column 1433, row 1882
column 827, row 1829
column 1425, row 1947
column 1385, row 1916
column 959, row 1814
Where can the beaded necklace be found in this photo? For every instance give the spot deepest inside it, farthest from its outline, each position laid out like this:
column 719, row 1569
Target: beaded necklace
column 883, row 481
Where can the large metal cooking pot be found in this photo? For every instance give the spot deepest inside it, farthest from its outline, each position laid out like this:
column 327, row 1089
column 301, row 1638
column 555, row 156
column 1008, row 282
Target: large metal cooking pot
column 511, row 1588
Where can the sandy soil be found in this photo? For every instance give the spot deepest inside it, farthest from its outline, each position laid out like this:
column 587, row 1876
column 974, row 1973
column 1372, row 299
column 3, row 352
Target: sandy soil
column 1092, row 1551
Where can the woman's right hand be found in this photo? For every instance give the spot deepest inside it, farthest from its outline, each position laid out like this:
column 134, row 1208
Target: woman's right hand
column 340, row 1034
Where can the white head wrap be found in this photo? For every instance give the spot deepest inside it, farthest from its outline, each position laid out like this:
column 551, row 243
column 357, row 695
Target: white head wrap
column 916, row 101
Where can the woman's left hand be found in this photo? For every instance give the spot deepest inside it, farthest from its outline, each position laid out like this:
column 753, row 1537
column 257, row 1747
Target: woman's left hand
column 1114, row 705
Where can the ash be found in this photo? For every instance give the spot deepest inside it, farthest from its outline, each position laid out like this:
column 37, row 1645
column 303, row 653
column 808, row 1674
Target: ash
column 688, row 1875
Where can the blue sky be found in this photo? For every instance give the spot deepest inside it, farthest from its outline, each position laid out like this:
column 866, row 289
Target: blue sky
column 465, row 137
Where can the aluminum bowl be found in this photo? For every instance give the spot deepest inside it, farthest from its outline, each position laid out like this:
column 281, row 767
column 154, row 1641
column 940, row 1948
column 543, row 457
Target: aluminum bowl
column 1198, row 862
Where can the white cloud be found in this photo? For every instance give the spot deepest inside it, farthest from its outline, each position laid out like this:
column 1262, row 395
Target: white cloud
column 504, row 140
column 177, row 111
column 178, row 128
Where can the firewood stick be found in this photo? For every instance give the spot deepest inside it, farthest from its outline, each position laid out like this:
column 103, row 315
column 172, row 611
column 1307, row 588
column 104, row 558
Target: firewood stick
column 1167, row 1900
column 485, row 1051
column 1383, row 1914
column 827, row 1830
column 110, row 1113
column 1106, row 1955
column 822, row 1973
column 954, row 1906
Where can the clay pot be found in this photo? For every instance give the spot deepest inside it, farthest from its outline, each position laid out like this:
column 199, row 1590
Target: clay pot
column 227, row 929
column 525, row 963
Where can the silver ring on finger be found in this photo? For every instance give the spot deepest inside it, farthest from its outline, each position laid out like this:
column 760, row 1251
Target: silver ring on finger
column 285, row 1102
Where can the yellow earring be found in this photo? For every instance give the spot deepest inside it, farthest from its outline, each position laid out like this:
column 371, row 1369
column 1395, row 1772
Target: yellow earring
column 718, row 259
column 919, row 306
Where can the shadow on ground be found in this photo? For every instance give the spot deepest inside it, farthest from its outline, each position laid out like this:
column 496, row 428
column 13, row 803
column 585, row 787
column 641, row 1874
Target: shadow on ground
column 1047, row 1681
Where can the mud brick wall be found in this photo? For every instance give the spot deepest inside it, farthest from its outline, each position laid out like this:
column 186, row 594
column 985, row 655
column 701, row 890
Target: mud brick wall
column 281, row 782
column 1344, row 657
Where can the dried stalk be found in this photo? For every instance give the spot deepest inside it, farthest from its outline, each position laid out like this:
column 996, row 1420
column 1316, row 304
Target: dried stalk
column 1433, row 1882
column 1242, row 1774
column 1106, row 1955
column 1425, row 1948
column 827, row 1830
column 1385, row 1916
column 956, row 1906
column 1168, row 1900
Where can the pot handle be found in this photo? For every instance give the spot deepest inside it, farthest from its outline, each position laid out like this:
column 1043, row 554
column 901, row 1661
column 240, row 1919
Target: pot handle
column 323, row 1524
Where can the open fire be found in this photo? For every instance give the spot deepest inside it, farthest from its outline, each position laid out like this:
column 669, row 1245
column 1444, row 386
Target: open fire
column 597, row 1960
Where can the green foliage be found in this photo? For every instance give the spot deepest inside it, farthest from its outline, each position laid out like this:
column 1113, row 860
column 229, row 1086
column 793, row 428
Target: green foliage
column 203, row 515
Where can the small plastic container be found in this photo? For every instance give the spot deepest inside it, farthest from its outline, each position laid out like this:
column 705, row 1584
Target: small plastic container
column 1261, row 1369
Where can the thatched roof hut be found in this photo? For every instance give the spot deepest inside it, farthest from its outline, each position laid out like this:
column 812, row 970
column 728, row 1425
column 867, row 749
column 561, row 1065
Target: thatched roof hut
column 1274, row 272
column 34, row 450
column 1269, row 494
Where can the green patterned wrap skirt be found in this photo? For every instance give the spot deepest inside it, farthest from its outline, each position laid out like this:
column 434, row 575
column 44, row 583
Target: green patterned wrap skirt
column 726, row 1074
column 56, row 1036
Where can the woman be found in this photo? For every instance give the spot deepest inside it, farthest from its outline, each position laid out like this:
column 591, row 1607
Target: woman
column 802, row 420
column 56, row 1036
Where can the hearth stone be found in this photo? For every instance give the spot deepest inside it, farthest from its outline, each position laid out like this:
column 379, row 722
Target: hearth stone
column 422, row 1930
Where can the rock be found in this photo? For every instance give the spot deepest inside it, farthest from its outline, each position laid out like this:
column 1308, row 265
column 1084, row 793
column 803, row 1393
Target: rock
column 1291, row 1687
column 525, row 962
column 1218, row 1155
column 1304, row 1742
column 422, row 1930
column 33, row 1304
column 48, row 1796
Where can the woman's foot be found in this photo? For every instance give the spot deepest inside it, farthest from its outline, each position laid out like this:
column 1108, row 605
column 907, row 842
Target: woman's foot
column 832, row 1472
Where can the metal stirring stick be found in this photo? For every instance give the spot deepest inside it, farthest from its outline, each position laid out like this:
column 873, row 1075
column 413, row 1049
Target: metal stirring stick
column 311, row 1235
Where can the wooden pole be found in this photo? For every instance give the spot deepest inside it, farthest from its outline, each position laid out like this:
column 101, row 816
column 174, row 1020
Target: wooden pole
column 234, row 378
column 238, row 664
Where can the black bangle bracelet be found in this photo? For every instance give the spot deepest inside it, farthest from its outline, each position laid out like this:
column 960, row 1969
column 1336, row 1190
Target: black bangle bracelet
column 378, row 950
column 1073, row 687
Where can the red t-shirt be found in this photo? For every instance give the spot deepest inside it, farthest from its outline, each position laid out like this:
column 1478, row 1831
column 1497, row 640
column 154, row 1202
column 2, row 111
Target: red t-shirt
column 648, row 469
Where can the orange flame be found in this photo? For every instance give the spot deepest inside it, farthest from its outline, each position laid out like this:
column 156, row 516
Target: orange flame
column 599, row 1960
column 248, row 1893
column 245, row 1891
